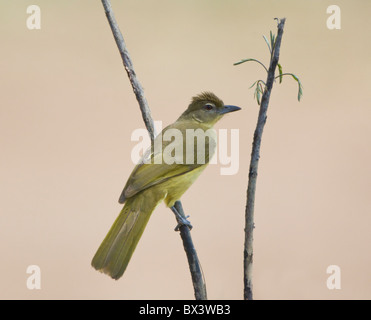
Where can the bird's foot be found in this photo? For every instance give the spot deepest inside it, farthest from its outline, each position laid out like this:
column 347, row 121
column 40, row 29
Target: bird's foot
column 181, row 218
column 183, row 222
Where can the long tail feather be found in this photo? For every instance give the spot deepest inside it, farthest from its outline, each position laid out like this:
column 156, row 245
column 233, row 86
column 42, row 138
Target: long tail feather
column 115, row 252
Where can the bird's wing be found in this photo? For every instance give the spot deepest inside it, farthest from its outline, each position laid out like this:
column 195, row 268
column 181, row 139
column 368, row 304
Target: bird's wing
column 146, row 175
column 152, row 169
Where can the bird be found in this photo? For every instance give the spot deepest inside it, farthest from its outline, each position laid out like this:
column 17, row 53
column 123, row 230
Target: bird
column 167, row 169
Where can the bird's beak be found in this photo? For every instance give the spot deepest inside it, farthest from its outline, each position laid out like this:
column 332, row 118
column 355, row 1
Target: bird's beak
column 228, row 109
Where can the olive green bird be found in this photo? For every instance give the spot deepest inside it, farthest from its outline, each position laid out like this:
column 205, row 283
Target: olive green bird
column 154, row 180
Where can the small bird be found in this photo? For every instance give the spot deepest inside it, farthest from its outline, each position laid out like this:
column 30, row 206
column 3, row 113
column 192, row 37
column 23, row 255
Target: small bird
column 155, row 179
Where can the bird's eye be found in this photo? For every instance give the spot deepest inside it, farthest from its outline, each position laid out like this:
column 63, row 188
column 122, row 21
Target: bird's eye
column 208, row 107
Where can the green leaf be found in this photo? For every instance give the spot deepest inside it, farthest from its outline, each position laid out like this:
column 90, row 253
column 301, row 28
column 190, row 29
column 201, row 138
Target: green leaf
column 259, row 91
column 258, row 95
column 253, row 84
column 280, row 71
column 239, row 62
column 247, row 60
column 267, row 42
column 261, row 87
column 244, row 60
column 273, row 39
column 300, row 90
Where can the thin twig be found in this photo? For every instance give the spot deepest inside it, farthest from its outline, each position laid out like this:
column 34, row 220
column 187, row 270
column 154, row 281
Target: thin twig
column 198, row 279
column 194, row 264
column 137, row 87
column 253, row 171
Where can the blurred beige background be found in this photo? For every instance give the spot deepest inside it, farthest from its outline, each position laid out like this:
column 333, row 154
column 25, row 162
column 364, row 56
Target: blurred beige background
column 68, row 111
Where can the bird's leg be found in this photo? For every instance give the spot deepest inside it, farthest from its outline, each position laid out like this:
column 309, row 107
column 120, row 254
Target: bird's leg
column 181, row 218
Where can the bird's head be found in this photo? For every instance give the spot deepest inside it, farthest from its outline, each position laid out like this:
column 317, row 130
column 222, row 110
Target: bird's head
column 207, row 108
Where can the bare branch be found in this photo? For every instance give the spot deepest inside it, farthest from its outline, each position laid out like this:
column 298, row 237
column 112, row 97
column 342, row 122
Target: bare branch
column 137, row 87
column 253, row 171
column 198, row 279
column 194, row 264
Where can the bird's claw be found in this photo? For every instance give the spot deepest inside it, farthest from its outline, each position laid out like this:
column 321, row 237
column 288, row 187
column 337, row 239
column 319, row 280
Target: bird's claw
column 183, row 222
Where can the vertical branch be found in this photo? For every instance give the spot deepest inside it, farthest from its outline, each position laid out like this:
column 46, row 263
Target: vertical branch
column 254, row 162
column 194, row 264
column 198, row 279
column 137, row 87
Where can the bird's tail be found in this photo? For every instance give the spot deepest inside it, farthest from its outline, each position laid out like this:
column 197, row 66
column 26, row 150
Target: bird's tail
column 118, row 246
